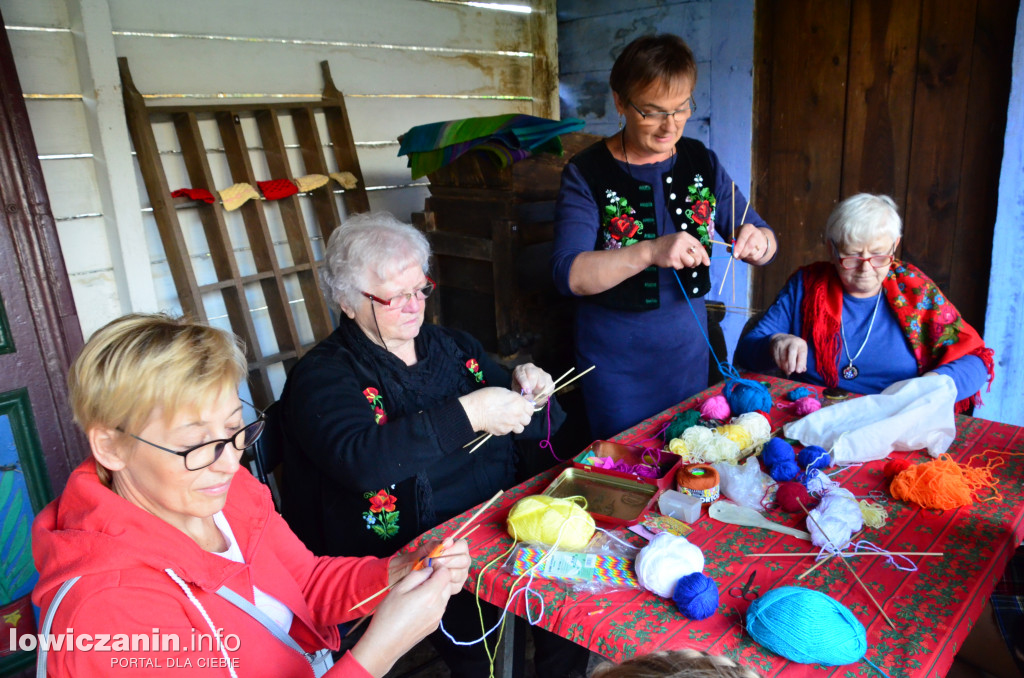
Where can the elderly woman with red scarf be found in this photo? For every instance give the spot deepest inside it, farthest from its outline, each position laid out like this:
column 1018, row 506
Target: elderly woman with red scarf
column 865, row 320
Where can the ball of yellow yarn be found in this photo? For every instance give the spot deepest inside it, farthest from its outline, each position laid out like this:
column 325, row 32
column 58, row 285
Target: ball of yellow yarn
column 677, row 446
column 737, row 434
column 550, row 521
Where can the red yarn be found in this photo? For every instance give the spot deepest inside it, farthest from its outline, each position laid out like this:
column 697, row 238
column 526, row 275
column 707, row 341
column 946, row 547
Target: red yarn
column 194, row 194
column 894, row 466
column 791, row 494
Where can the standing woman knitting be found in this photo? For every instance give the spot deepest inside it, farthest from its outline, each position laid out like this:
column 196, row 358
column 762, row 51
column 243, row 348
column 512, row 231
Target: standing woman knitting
column 635, row 210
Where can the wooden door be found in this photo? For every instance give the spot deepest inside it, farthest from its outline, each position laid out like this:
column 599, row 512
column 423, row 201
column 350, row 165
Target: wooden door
column 39, row 333
column 902, row 97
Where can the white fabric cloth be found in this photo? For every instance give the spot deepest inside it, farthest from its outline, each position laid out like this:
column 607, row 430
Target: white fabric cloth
column 909, row 415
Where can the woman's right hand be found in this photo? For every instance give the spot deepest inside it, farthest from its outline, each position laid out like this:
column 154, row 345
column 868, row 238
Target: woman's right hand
column 789, row 352
column 497, row 411
column 677, row 250
column 410, row 612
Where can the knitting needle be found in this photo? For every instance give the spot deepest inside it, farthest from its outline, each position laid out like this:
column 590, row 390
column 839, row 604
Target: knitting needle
column 453, row 537
column 559, row 388
column 848, row 566
column 482, row 435
column 847, row 554
column 485, row 439
column 821, row 562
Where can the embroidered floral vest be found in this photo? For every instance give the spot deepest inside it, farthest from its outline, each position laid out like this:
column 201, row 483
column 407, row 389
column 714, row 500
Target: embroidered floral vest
column 627, row 216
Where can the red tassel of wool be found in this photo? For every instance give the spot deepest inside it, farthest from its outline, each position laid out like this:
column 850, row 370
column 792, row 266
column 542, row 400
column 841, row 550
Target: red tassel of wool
column 894, row 467
column 275, row 189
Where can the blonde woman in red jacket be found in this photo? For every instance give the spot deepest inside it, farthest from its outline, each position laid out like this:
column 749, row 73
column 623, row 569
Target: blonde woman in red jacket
column 162, row 554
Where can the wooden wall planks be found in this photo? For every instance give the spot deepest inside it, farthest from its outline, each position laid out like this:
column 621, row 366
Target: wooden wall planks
column 903, row 97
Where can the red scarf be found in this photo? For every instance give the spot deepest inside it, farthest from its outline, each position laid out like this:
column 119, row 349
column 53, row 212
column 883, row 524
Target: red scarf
column 935, row 331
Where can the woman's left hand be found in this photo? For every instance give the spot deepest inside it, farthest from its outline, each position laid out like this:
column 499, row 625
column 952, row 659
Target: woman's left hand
column 534, row 383
column 753, row 244
column 454, row 557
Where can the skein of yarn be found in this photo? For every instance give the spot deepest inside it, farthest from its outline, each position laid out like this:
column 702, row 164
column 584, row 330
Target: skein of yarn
column 737, row 434
column 698, row 480
column 798, row 393
column 716, row 407
column 780, row 458
column 551, row 521
column 806, row 626
column 664, row 561
column 681, row 422
column 806, row 405
column 696, row 596
column 940, row 484
column 790, row 495
column 756, row 424
column 836, row 518
column 894, row 466
column 814, row 456
column 745, row 396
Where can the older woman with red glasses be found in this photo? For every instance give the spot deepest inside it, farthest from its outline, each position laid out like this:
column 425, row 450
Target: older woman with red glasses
column 378, row 418
column 865, row 320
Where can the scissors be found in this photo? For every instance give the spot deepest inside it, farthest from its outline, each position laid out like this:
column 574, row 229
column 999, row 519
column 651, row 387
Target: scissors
column 747, row 592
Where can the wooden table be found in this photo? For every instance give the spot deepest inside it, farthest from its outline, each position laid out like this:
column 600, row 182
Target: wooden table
column 934, row 608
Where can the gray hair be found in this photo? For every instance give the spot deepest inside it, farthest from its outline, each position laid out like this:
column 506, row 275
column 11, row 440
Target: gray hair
column 862, row 218
column 372, row 242
column 675, row 664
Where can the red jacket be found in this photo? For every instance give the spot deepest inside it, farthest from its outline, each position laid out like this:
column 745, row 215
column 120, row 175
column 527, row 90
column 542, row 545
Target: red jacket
column 121, row 553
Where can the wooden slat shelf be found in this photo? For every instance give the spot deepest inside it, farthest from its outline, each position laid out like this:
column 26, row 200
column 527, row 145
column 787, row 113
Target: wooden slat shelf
column 271, row 274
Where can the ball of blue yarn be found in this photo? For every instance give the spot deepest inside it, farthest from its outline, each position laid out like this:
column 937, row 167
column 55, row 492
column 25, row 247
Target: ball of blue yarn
column 777, row 450
column 814, row 456
column 806, row 626
column 745, row 396
column 696, row 596
column 784, row 471
column 798, row 393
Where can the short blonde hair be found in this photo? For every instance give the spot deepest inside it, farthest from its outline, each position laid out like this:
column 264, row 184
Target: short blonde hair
column 675, row 664
column 141, row 362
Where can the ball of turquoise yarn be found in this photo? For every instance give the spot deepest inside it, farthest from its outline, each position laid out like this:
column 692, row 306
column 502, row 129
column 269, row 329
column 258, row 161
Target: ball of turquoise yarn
column 798, row 393
column 747, row 396
column 681, row 422
column 807, row 626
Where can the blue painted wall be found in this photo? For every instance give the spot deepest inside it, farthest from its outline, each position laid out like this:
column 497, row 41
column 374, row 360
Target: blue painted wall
column 1004, row 319
column 591, row 33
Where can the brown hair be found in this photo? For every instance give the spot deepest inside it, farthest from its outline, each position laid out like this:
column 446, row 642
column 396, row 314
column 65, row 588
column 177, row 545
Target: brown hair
column 664, row 58
column 675, row 664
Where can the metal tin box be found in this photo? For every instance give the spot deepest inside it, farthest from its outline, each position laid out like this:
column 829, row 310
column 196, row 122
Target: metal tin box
column 612, row 498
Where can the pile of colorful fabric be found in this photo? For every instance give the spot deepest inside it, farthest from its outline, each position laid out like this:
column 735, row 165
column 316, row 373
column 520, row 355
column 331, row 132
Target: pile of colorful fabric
column 507, row 138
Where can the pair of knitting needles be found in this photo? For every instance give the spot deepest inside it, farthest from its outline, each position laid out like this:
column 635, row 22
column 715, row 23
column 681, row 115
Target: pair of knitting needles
column 555, row 387
column 729, row 263
column 437, row 552
column 848, row 554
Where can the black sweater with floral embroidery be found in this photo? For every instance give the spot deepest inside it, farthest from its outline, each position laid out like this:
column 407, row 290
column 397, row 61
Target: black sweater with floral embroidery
column 374, row 450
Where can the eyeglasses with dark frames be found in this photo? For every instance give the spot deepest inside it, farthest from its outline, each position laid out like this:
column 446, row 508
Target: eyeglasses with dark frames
column 875, row 260
column 206, row 454
column 400, row 300
column 658, row 117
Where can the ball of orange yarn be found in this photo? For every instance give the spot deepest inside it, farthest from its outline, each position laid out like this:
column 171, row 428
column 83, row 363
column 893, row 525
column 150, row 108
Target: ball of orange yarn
column 894, row 466
column 940, row 484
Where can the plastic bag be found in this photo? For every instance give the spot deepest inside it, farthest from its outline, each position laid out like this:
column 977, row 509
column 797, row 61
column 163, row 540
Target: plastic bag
column 909, row 415
column 744, row 483
column 591, row 572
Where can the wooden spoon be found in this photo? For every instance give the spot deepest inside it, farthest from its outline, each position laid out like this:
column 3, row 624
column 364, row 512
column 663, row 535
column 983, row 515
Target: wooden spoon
column 734, row 514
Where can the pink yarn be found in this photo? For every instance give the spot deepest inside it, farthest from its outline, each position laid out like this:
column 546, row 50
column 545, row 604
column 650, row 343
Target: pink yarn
column 802, row 406
column 806, row 405
column 716, row 407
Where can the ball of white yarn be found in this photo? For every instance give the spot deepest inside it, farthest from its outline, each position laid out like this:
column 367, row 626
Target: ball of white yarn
column 836, row 518
column 720, row 448
column 664, row 561
column 818, row 482
column 695, row 438
column 756, row 424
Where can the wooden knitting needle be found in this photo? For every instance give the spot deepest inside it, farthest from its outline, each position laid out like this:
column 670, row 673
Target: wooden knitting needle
column 821, row 562
column 482, row 435
column 846, row 554
column 453, row 537
column 848, row 566
column 441, row 555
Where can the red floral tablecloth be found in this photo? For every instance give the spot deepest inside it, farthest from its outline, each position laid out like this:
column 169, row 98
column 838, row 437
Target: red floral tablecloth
column 934, row 608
